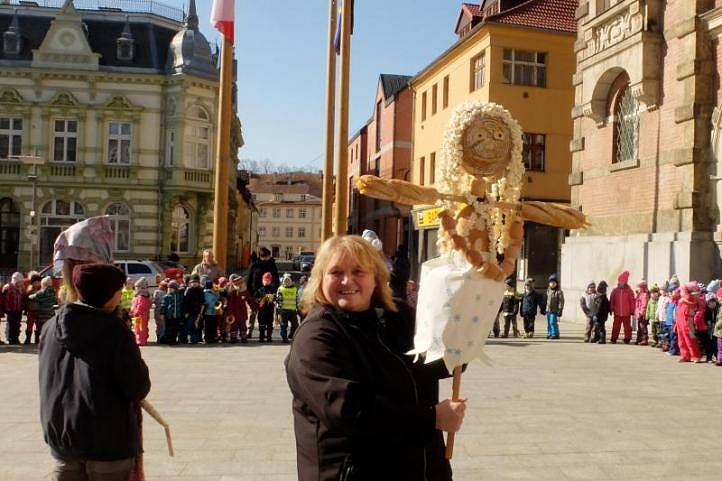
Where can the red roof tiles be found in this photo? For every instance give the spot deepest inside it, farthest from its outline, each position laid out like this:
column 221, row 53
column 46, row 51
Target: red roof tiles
column 547, row 14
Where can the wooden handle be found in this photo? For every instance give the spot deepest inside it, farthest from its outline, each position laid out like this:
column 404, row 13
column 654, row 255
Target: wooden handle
column 455, row 385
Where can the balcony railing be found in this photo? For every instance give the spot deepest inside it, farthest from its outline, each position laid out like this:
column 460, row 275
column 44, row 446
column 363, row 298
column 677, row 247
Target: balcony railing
column 59, row 170
column 197, row 176
column 116, row 172
column 10, row 168
column 126, row 6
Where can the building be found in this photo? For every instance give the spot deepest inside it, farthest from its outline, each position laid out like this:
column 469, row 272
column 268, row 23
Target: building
column 289, row 212
column 646, row 147
column 383, row 147
column 120, row 107
column 519, row 54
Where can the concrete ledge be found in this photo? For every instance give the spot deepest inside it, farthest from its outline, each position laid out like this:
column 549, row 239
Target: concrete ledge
column 686, row 112
column 624, row 165
column 576, row 178
column 688, row 69
column 686, row 200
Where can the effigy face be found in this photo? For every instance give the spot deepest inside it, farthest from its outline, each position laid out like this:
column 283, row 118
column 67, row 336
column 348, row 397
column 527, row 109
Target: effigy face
column 487, row 147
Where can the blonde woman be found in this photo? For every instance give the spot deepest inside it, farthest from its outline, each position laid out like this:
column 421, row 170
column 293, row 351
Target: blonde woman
column 355, row 404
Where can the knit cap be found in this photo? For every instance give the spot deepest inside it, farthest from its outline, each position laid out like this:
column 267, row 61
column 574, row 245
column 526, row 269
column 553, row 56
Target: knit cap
column 97, row 283
column 623, row 277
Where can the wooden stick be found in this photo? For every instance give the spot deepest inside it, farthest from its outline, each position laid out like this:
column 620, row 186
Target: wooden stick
column 150, row 409
column 455, row 385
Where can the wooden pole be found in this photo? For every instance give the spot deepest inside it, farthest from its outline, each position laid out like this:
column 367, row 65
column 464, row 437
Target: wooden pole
column 342, row 137
column 327, row 202
column 223, row 154
column 455, row 385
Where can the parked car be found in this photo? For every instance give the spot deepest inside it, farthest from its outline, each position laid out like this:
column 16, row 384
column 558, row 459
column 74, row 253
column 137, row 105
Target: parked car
column 297, row 259
column 152, row 271
column 306, row 263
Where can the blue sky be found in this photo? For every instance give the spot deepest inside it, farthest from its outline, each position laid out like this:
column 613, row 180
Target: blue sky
column 280, row 47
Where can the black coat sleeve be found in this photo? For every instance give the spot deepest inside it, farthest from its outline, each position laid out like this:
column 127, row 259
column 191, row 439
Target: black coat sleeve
column 128, row 367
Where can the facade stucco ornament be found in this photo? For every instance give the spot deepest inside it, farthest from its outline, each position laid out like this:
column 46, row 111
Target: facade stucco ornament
column 615, row 30
column 595, row 110
column 646, row 92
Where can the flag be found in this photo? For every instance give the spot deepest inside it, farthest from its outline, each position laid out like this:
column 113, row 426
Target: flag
column 339, row 24
column 222, row 15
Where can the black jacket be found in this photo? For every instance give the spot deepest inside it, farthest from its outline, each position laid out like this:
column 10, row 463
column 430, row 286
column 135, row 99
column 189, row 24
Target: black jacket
column 355, row 408
column 531, row 302
column 91, row 373
column 193, row 300
column 260, row 267
column 600, row 308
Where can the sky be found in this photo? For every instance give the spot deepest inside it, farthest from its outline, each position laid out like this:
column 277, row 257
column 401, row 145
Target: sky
column 281, row 53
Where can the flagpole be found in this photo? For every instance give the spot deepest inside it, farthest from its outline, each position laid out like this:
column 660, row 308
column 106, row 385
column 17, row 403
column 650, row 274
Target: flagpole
column 327, row 202
column 223, row 151
column 342, row 142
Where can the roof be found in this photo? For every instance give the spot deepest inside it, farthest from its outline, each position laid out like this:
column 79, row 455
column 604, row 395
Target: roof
column 556, row 15
column 290, row 183
column 393, row 84
column 471, row 9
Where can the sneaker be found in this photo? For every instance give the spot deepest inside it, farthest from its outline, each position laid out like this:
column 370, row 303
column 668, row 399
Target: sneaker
column 549, row 337
column 555, row 337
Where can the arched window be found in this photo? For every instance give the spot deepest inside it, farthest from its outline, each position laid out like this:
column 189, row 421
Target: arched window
column 626, row 125
column 198, row 139
column 180, row 230
column 9, row 234
column 56, row 216
column 120, row 221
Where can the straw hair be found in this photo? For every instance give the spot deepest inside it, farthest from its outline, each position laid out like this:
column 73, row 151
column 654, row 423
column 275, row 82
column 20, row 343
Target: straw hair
column 363, row 253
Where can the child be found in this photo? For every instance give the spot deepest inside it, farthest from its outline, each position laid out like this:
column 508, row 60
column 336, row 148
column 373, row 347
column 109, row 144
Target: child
column 706, row 337
column 158, row 311
column 172, row 312
column 222, row 311
column 585, row 302
column 640, row 313
column 531, row 301
column 211, row 301
column 718, row 335
column 193, row 301
column 32, row 308
column 265, row 297
column 685, row 324
column 509, row 308
column 239, row 301
column 92, row 378
column 555, row 307
column 622, row 306
column 670, row 345
column 661, row 316
column 287, row 299
column 46, row 299
column 650, row 314
column 140, row 311
column 600, row 313
column 126, row 301
column 15, row 304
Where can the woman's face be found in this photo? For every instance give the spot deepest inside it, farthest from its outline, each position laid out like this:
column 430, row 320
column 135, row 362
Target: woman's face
column 347, row 284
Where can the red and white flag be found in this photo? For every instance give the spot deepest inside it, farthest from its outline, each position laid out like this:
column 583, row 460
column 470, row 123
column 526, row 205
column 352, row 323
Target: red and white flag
column 222, row 15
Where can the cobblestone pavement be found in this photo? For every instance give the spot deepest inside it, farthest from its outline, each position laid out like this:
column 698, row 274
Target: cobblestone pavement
column 545, row 410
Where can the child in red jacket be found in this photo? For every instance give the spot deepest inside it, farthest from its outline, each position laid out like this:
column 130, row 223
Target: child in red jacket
column 621, row 303
column 686, row 323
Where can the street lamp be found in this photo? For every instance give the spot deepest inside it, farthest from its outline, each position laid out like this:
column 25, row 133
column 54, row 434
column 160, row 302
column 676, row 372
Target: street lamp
column 34, row 161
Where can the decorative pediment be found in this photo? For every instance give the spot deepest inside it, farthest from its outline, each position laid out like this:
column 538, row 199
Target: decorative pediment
column 65, row 46
column 11, row 97
column 119, row 102
column 64, row 99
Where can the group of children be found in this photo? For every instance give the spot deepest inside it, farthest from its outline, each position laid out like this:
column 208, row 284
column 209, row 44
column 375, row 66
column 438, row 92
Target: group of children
column 531, row 302
column 224, row 311
column 32, row 296
column 684, row 319
column 187, row 310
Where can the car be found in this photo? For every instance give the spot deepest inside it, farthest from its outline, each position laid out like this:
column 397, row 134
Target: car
column 135, row 269
column 305, row 264
column 297, row 259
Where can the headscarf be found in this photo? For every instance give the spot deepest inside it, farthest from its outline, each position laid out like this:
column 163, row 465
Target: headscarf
column 88, row 241
column 141, row 287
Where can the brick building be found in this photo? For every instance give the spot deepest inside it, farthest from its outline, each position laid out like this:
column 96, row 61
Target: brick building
column 383, row 147
column 646, row 160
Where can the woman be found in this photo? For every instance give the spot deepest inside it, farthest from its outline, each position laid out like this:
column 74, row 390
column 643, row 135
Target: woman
column 355, row 406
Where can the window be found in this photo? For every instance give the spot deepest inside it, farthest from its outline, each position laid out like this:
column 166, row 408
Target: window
column 523, row 67
column 138, row 268
column 11, row 137
column 275, row 251
column 65, row 140
column 261, row 232
column 198, row 139
column 171, row 148
column 278, row 197
column 180, row 226
column 276, row 232
column 301, row 232
column 534, row 151
column 119, row 143
column 11, row 42
column 289, row 231
column 56, row 216
column 432, row 168
column 422, row 167
column 478, row 66
column 289, row 253
column 445, row 94
column 263, row 212
column 626, row 126
column 423, row 106
column 302, row 213
column 289, row 213
column 125, row 48
column 378, row 125
column 276, row 212
column 434, row 98
column 603, row 5
column 120, row 222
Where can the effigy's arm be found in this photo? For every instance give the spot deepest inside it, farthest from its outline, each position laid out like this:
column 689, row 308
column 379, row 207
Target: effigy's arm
column 555, row 215
column 395, row 190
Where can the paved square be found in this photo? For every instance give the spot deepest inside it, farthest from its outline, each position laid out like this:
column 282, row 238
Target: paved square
column 545, row 410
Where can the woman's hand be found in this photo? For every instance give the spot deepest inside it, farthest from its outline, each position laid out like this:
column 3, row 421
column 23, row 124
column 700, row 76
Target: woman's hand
column 450, row 415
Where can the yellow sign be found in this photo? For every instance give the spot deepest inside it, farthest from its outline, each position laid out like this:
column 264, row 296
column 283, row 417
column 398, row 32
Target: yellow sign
column 428, row 217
